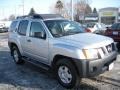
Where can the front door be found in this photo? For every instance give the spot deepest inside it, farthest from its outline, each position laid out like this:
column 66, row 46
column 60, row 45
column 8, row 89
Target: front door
column 37, row 43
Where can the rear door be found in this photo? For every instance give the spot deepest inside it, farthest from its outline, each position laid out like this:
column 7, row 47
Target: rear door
column 22, row 30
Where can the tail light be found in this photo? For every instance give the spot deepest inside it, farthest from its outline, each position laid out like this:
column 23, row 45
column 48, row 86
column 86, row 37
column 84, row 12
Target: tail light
column 87, row 30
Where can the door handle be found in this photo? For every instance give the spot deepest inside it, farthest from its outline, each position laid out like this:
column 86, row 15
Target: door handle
column 28, row 40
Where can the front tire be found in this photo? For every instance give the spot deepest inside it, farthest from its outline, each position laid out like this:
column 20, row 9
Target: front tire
column 66, row 74
column 16, row 55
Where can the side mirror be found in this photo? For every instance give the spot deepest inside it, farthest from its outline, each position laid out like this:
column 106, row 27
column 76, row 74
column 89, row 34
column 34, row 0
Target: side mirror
column 41, row 35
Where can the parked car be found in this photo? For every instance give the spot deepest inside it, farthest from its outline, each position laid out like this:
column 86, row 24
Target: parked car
column 84, row 28
column 3, row 28
column 98, row 28
column 114, row 32
column 53, row 42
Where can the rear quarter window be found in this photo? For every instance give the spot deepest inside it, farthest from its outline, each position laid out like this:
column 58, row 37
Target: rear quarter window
column 23, row 27
column 13, row 26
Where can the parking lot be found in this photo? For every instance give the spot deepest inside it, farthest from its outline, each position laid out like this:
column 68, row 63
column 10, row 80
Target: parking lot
column 30, row 77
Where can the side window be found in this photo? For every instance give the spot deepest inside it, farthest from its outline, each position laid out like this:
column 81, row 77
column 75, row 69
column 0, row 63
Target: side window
column 23, row 27
column 36, row 30
column 13, row 26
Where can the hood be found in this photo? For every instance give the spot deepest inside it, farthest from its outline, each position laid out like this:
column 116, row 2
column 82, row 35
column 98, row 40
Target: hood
column 87, row 40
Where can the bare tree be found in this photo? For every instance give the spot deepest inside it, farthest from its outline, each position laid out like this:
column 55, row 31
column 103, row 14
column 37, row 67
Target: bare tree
column 81, row 9
column 88, row 9
column 94, row 10
column 11, row 17
column 32, row 11
column 59, row 6
column 67, row 10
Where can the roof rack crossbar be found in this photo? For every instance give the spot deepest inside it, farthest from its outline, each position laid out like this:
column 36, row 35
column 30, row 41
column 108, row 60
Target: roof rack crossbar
column 29, row 16
column 41, row 16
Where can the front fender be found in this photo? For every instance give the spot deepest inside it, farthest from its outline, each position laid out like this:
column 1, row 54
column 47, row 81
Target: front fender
column 66, row 50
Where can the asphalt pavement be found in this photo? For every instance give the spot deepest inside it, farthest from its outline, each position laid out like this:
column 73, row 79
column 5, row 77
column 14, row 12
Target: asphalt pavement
column 30, row 77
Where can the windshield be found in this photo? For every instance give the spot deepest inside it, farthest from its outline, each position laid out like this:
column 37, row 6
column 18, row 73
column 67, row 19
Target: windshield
column 59, row 28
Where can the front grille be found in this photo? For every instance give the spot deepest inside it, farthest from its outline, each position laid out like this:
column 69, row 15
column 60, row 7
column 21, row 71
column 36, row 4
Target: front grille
column 113, row 46
column 110, row 48
column 107, row 50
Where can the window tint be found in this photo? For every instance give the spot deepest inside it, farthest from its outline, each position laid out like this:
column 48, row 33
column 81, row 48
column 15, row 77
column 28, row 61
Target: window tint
column 36, row 29
column 13, row 26
column 114, row 26
column 23, row 27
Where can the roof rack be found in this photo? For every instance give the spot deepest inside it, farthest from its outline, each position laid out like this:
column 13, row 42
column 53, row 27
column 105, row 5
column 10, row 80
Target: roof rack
column 41, row 16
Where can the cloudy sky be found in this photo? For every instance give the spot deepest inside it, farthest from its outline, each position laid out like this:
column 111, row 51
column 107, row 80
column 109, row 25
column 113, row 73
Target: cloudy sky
column 8, row 7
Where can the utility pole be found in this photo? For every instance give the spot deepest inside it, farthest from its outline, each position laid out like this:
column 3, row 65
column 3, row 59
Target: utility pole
column 72, row 15
column 3, row 12
column 23, row 6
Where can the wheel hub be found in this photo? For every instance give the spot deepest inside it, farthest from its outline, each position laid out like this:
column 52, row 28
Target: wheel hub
column 65, row 74
column 15, row 55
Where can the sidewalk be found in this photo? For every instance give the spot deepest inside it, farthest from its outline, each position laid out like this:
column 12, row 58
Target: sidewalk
column 113, row 76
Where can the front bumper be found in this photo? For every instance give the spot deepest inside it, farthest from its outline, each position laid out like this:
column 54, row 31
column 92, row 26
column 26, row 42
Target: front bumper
column 94, row 67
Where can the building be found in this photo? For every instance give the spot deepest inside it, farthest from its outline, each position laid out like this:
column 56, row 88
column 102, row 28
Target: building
column 92, row 17
column 109, row 15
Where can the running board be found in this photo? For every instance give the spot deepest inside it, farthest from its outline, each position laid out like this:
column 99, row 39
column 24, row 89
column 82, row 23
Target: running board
column 37, row 63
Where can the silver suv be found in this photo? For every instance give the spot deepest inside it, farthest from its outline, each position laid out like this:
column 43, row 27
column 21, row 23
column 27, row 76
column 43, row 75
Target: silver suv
column 51, row 41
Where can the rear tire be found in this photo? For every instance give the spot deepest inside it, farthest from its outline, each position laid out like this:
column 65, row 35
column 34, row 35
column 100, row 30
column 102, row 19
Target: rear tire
column 16, row 55
column 66, row 74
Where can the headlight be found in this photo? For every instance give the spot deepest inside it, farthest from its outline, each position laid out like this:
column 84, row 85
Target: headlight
column 90, row 53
